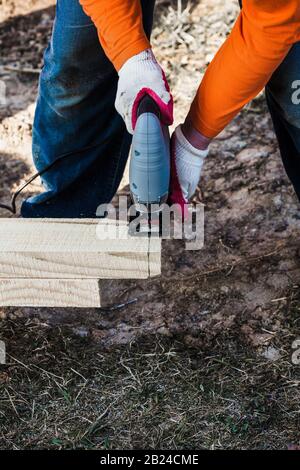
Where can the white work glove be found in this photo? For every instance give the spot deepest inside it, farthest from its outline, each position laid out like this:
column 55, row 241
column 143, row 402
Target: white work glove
column 139, row 76
column 186, row 166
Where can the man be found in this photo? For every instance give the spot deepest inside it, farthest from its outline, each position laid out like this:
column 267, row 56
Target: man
column 263, row 49
column 79, row 87
column 76, row 113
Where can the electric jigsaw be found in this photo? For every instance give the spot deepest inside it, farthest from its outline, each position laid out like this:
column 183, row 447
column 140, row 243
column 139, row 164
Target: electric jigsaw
column 149, row 171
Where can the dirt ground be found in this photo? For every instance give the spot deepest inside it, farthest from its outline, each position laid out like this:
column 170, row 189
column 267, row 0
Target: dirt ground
column 203, row 357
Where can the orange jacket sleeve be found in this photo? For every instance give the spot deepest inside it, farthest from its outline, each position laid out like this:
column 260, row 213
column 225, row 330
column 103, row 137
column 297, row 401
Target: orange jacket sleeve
column 258, row 43
column 120, row 27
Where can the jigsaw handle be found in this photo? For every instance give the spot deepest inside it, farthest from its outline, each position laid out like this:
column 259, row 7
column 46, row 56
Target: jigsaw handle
column 148, row 105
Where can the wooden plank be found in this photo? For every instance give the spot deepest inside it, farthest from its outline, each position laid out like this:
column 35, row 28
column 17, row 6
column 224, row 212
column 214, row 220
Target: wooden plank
column 154, row 258
column 69, row 235
column 82, row 293
column 74, row 265
column 75, row 249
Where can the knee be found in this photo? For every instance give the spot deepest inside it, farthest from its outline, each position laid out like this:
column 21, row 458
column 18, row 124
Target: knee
column 70, row 77
column 286, row 100
column 61, row 86
column 291, row 108
column 284, row 87
column 74, row 55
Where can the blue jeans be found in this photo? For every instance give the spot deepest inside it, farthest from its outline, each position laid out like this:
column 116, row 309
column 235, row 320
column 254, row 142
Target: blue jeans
column 75, row 115
column 283, row 97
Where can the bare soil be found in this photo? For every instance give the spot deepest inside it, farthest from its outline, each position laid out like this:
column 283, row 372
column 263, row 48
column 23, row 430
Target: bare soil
column 203, row 357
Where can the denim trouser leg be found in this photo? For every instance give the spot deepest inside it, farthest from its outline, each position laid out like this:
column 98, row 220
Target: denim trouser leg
column 75, row 112
column 283, row 97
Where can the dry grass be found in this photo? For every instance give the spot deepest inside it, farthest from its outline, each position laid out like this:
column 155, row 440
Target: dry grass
column 62, row 391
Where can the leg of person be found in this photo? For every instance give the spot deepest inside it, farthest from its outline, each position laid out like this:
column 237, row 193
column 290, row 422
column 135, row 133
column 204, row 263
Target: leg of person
column 283, row 97
column 76, row 117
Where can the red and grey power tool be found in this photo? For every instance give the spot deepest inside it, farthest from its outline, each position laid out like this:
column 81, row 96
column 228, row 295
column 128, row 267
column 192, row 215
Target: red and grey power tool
column 150, row 159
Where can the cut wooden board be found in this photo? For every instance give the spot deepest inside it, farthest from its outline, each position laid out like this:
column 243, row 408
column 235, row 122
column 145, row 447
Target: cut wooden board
column 78, row 265
column 71, row 236
column 50, row 293
column 59, row 263
column 75, row 249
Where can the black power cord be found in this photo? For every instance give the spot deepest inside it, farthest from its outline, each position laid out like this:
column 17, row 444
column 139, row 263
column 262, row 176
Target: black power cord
column 12, row 207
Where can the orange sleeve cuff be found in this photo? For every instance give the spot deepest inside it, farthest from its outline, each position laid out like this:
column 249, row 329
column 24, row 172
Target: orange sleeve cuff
column 201, row 126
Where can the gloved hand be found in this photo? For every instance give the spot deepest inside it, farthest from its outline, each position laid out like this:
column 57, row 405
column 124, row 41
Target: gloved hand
column 139, row 76
column 186, row 166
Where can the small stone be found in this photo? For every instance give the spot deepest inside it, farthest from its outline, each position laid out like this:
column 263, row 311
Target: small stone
column 164, row 331
column 82, row 332
column 250, row 155
column 278, row 201
column 271, row 353
column 225, row 289
column 204, row 312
